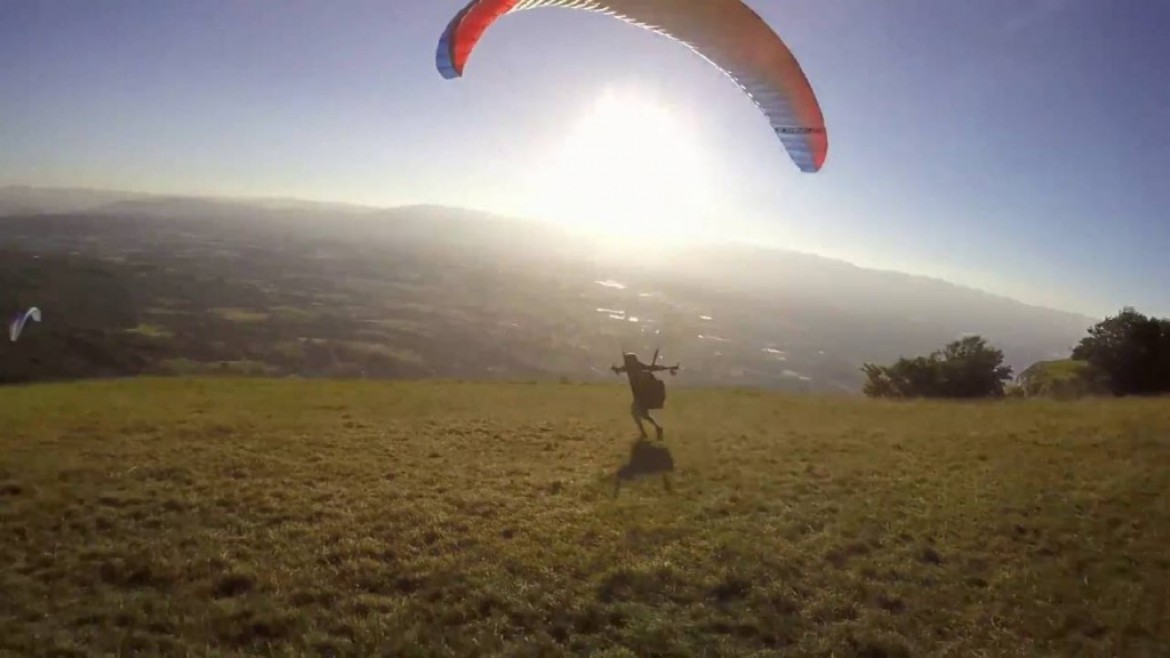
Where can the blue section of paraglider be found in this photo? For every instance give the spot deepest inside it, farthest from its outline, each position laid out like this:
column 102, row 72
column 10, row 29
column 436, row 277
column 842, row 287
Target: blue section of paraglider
column 777, row 107
column 445, row 53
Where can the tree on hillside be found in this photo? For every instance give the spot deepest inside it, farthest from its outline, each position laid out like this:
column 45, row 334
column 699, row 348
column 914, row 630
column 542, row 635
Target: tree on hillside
column 1131, row 350
column 965, row 368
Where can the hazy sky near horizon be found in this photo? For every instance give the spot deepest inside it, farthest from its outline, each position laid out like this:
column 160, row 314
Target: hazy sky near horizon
column 1021, row 146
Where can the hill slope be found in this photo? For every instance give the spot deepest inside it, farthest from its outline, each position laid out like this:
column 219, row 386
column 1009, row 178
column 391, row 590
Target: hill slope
column 327, row 290
column 275, row 517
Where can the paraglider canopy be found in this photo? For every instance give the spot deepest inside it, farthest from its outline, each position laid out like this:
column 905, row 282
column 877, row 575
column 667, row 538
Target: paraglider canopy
column 16, row 326
column 727, row 33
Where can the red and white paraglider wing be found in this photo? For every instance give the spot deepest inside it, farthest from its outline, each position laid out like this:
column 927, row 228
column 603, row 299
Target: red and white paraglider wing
column 727, row 33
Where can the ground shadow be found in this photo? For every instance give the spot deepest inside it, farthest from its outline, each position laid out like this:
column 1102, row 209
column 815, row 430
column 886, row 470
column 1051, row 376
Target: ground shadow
column 646, row 458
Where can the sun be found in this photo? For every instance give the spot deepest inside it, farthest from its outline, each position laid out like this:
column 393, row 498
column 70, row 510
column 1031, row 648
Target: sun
column 629, row 167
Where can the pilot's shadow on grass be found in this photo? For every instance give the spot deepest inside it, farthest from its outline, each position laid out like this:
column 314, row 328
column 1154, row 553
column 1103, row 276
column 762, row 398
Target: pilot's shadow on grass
column 646, row 458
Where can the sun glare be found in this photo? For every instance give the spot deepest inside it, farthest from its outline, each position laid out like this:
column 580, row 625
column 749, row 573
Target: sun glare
column 629, row 167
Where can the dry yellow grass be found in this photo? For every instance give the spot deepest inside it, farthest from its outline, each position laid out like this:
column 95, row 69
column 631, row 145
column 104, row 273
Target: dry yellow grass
column 238, row 517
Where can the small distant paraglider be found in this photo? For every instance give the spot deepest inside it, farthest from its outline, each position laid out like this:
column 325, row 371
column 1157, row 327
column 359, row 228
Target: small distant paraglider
column 16, row 327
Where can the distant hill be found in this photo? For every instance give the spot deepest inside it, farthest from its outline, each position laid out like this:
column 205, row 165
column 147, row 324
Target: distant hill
column 885, row 307
column 456, row 292
column 20, row 199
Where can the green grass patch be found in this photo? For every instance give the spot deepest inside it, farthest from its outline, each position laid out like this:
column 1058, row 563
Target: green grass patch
column 240, row 315
column 181, row 366
column 166, row 311
column 407, row 326
column 152, row 331
column 1062, row 378
column 293, row 314
column 251, row 517
column 362, row 348
column 188, row 367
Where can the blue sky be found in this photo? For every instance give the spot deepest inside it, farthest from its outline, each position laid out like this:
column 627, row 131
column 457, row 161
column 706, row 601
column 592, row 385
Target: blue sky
column 1021, row 146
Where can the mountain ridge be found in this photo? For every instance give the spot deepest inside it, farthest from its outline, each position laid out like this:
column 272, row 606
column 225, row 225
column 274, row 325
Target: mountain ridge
column 114, row 201
column 485, row 293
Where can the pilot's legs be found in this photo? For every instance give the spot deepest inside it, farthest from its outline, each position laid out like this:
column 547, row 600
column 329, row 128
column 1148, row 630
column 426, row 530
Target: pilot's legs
column 639, row 414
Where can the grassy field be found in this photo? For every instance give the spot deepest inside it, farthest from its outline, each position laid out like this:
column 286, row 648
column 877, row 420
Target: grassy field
column 242, row 517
